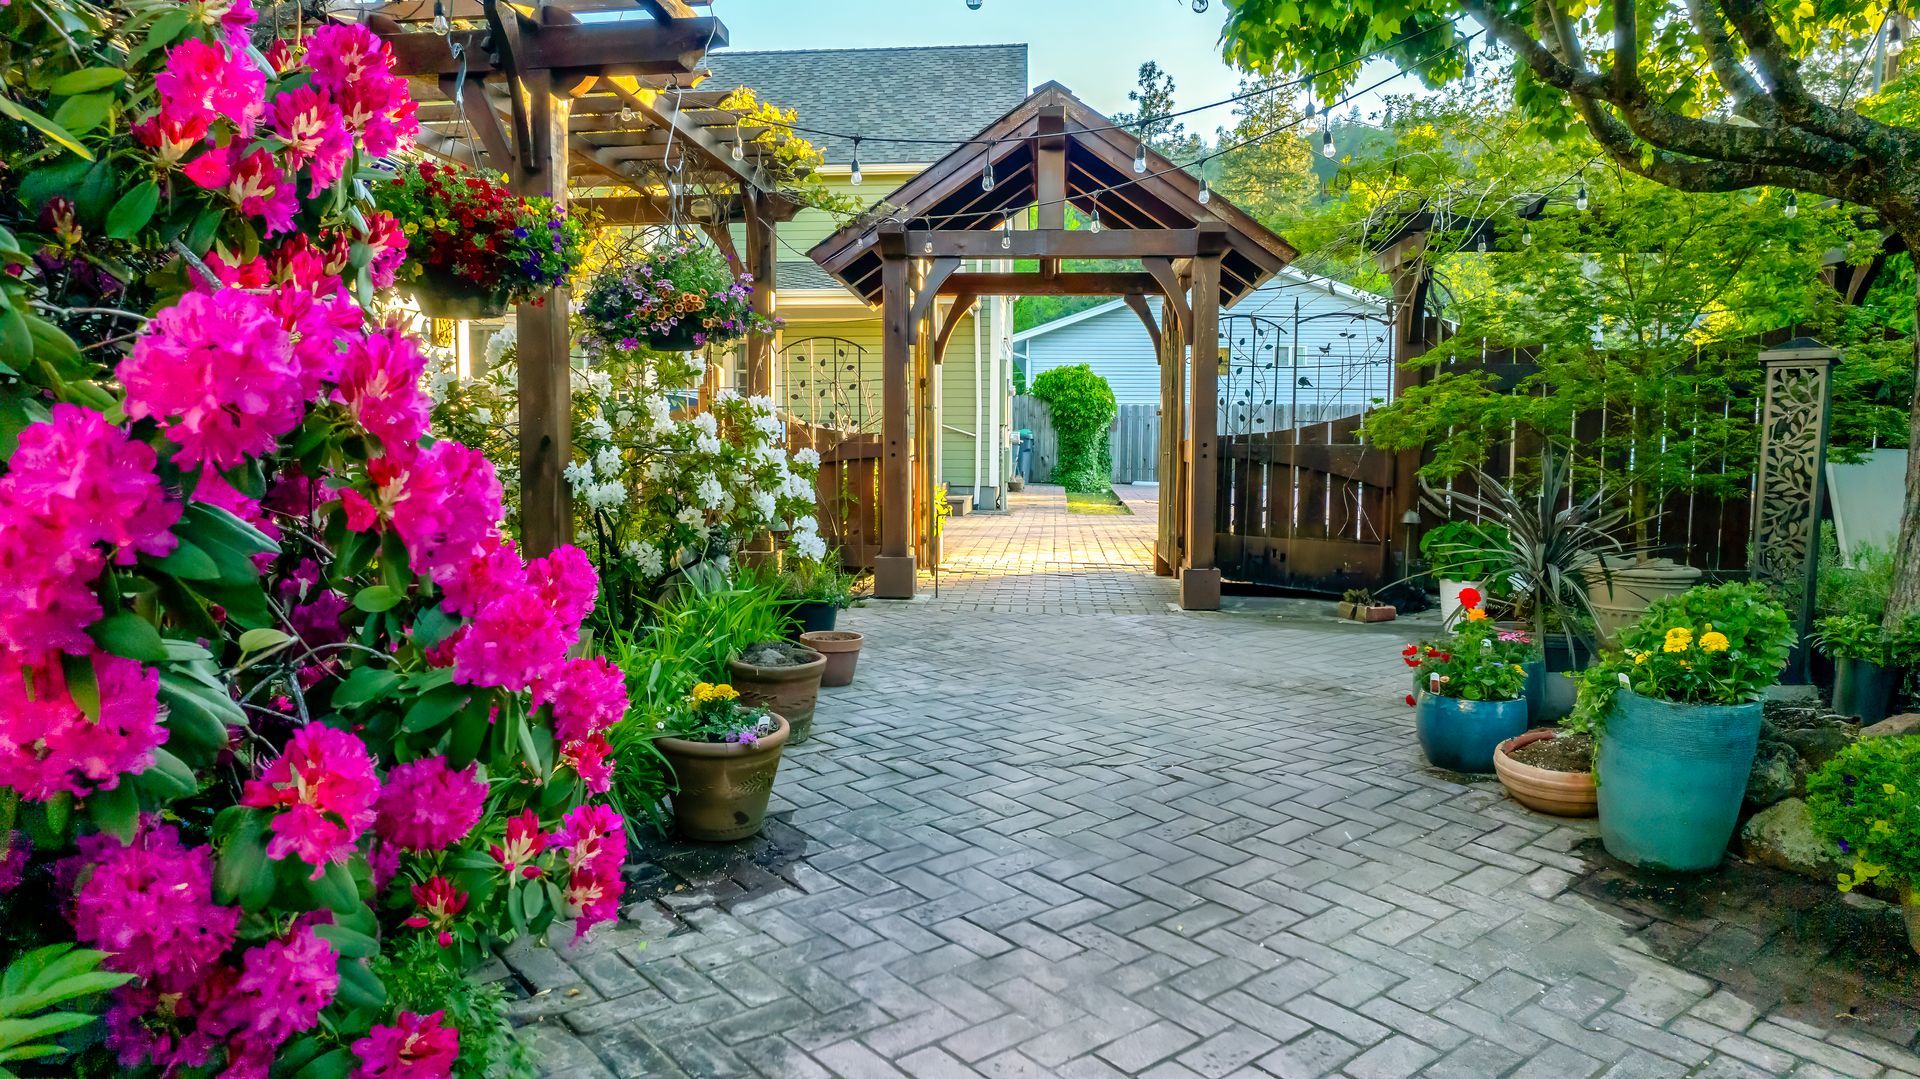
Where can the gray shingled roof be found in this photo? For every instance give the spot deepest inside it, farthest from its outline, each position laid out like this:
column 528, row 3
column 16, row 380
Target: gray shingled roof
column 940, row 92
column 806, row 275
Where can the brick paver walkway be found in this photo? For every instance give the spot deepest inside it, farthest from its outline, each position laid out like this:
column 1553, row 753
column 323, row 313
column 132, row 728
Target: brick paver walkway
column 1176, row 845
column 1040, row 558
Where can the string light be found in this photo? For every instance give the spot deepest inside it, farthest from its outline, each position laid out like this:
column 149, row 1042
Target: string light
column 441, row 25
column 986, row 176
column 1006, row 235
column 1580, row 198
column 1206, row 191
column 1140, row 160
column 973, row 5
column 1326, row 142
column 1526, row 235
column 1793, row 205
column 1481, row 244
column 1894, row 42
column 739, row 151
column 1096, row 228
column 627, row 115
column 856, row 178
column 1309, row 108
column 926, row 248
column 1199, row 7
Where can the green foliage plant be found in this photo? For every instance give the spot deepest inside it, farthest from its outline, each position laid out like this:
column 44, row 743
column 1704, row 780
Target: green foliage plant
column 1083, row 410
column 1853, row 636
column 32, row 992
column 820, row 581
column 420, row 979
column 1478, row 661
column 1712, row 644
column 714, row 712
column 1866, row 800
column 1464, row 550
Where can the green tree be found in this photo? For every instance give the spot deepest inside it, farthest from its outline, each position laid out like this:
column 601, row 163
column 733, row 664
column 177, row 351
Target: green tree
column 1152, row 117
column 1265, row 166
column 1701, row 96
column 1082, row 408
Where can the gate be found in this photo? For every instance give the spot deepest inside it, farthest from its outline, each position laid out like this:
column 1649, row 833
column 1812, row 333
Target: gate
column 1302, row 503
column 830, row 410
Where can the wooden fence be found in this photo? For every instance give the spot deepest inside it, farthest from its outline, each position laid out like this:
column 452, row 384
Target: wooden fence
column 1135, row 437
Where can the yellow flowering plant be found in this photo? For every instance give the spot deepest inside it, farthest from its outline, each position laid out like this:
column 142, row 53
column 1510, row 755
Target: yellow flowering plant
column 1713, row 644
column 714, row 712
column 1866, row 801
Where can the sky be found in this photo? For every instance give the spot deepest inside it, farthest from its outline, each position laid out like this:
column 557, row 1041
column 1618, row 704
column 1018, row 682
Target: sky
column 1094, row 47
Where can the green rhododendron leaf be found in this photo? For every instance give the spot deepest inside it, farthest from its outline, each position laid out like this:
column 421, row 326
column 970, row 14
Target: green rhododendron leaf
column 117, row 811
column 128, row 635
column 133, row 211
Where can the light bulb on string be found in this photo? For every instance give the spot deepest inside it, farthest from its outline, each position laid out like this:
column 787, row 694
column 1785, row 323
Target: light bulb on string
column 1526, row 235
column 1792, row 209
column 1006, row 235
column 1895, row 44
column 739, row 151
column 1326, row 143
column 926, row 247
column 1140, row 160
column 627, row 115
column 1206, row 191
column 855, row 178
column 441, row 25
column 986, row 176
column 1199, row 7
column 1468, row 69
column 1480, row 243
column 1096, row 227
column 1580, row 198
column 1309, row 107
column 973, row 5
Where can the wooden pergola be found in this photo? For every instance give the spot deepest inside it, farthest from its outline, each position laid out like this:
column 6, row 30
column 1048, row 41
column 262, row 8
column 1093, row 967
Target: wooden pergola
column 573, row 97
column 911, row 257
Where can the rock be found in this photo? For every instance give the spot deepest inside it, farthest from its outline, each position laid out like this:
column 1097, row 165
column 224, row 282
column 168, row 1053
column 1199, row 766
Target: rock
column 1783, row 836
column 1818, row 745
column 1894, row 726
column 1777, row 774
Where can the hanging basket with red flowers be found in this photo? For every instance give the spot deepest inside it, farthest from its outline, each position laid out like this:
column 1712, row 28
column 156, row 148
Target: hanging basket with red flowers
column 473, row 246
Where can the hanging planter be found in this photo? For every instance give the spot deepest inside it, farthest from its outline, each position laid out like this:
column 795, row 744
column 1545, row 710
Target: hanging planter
column 474, row 248
column 678, row 297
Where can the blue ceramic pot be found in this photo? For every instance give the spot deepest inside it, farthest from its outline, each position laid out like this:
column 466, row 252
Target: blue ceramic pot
column 1671, row 779
column 1461, row 735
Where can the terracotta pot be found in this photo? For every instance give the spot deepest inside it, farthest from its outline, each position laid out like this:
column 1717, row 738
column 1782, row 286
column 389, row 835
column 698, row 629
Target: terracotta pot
column 842, row 649
column 1562, row 794
column 790, row 691
column 723, row 786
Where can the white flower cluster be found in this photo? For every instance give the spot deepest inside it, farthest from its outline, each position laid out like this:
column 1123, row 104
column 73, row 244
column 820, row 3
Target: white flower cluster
column 505, row 341
column 597, row 480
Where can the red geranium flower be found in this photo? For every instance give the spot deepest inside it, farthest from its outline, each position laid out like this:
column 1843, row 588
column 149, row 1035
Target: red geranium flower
column 1469, row 598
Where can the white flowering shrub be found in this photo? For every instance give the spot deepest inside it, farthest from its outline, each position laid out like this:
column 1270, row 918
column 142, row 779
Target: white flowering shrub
column 656, row 486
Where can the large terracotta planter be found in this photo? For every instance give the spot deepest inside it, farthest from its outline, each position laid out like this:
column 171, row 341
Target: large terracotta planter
column 842, row 649
column 790, row 690
column 723, row 786
column 1560, row 794
column 1624, row 589
column 1671, row 779
column 1461, row 735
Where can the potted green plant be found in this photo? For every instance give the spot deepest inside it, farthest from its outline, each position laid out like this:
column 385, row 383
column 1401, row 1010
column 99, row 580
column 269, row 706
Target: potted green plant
column 1357, row 605
column 783, row 676
column 724, row 752
column 1461, row 555
column 1866, row 800
column 1470, row 691
column 678, row 296
column 1675, row 714
column 816, row 590
column 473, row 246
column 1863, row 670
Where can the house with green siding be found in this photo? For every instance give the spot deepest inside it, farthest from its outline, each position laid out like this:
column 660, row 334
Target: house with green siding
column 908, row 107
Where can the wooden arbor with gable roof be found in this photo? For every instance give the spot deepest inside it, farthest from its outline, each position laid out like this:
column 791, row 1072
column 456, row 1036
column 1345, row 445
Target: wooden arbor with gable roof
column 1049, row 152
column 555, row 103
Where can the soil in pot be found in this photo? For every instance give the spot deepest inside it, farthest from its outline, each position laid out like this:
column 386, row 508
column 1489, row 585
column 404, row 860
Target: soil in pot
column 782, row 676
column 842, row 649
column 723, row 787
column 1549, row 772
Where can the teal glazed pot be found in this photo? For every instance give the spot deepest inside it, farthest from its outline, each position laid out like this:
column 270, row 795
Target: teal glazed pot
column 1862, row 689
column 1671, row 779
column 1461, row 735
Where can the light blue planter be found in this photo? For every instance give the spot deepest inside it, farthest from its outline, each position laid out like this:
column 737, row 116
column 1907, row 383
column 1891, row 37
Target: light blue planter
column 1671, row 778
column 1461, row 735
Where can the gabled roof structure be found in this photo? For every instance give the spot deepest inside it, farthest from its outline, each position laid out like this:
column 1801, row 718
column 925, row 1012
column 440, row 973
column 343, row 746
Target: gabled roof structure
column 951, row 196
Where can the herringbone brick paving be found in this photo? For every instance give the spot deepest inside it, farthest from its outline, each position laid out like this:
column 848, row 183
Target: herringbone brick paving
column 1177, row 845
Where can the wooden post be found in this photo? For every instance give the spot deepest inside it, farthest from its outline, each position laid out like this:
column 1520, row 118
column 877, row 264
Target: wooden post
column 1199, row 578
column 1411, row 275
column 546, row 395
column 763, row 263
column 1172, row 353
column 893, row 568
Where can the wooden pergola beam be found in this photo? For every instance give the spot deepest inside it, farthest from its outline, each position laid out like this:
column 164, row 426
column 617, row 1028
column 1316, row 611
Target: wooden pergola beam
column 1045, row 243
column 660, row 107
column 571, row 51
column 1033, row 284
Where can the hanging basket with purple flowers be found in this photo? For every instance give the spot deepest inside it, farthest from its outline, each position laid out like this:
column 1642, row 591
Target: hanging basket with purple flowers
column 679, row 296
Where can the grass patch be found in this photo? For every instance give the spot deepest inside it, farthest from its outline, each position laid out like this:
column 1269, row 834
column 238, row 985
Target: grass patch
column 1097, row 503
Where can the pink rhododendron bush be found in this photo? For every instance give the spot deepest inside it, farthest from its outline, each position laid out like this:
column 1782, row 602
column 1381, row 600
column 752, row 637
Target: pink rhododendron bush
column 290, row 733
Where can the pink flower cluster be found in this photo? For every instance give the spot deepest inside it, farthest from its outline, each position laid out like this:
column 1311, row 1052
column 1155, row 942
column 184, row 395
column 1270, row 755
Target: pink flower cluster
column 351, row 97
column 427, row 806
column 523, row 844
column 325, row 784
column 596, row 841
column 149, row 904
column 586, row 697
column 77, row 492
column 414, row 1047
column 49, row 746
column 440, row 905
column 379, row 381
